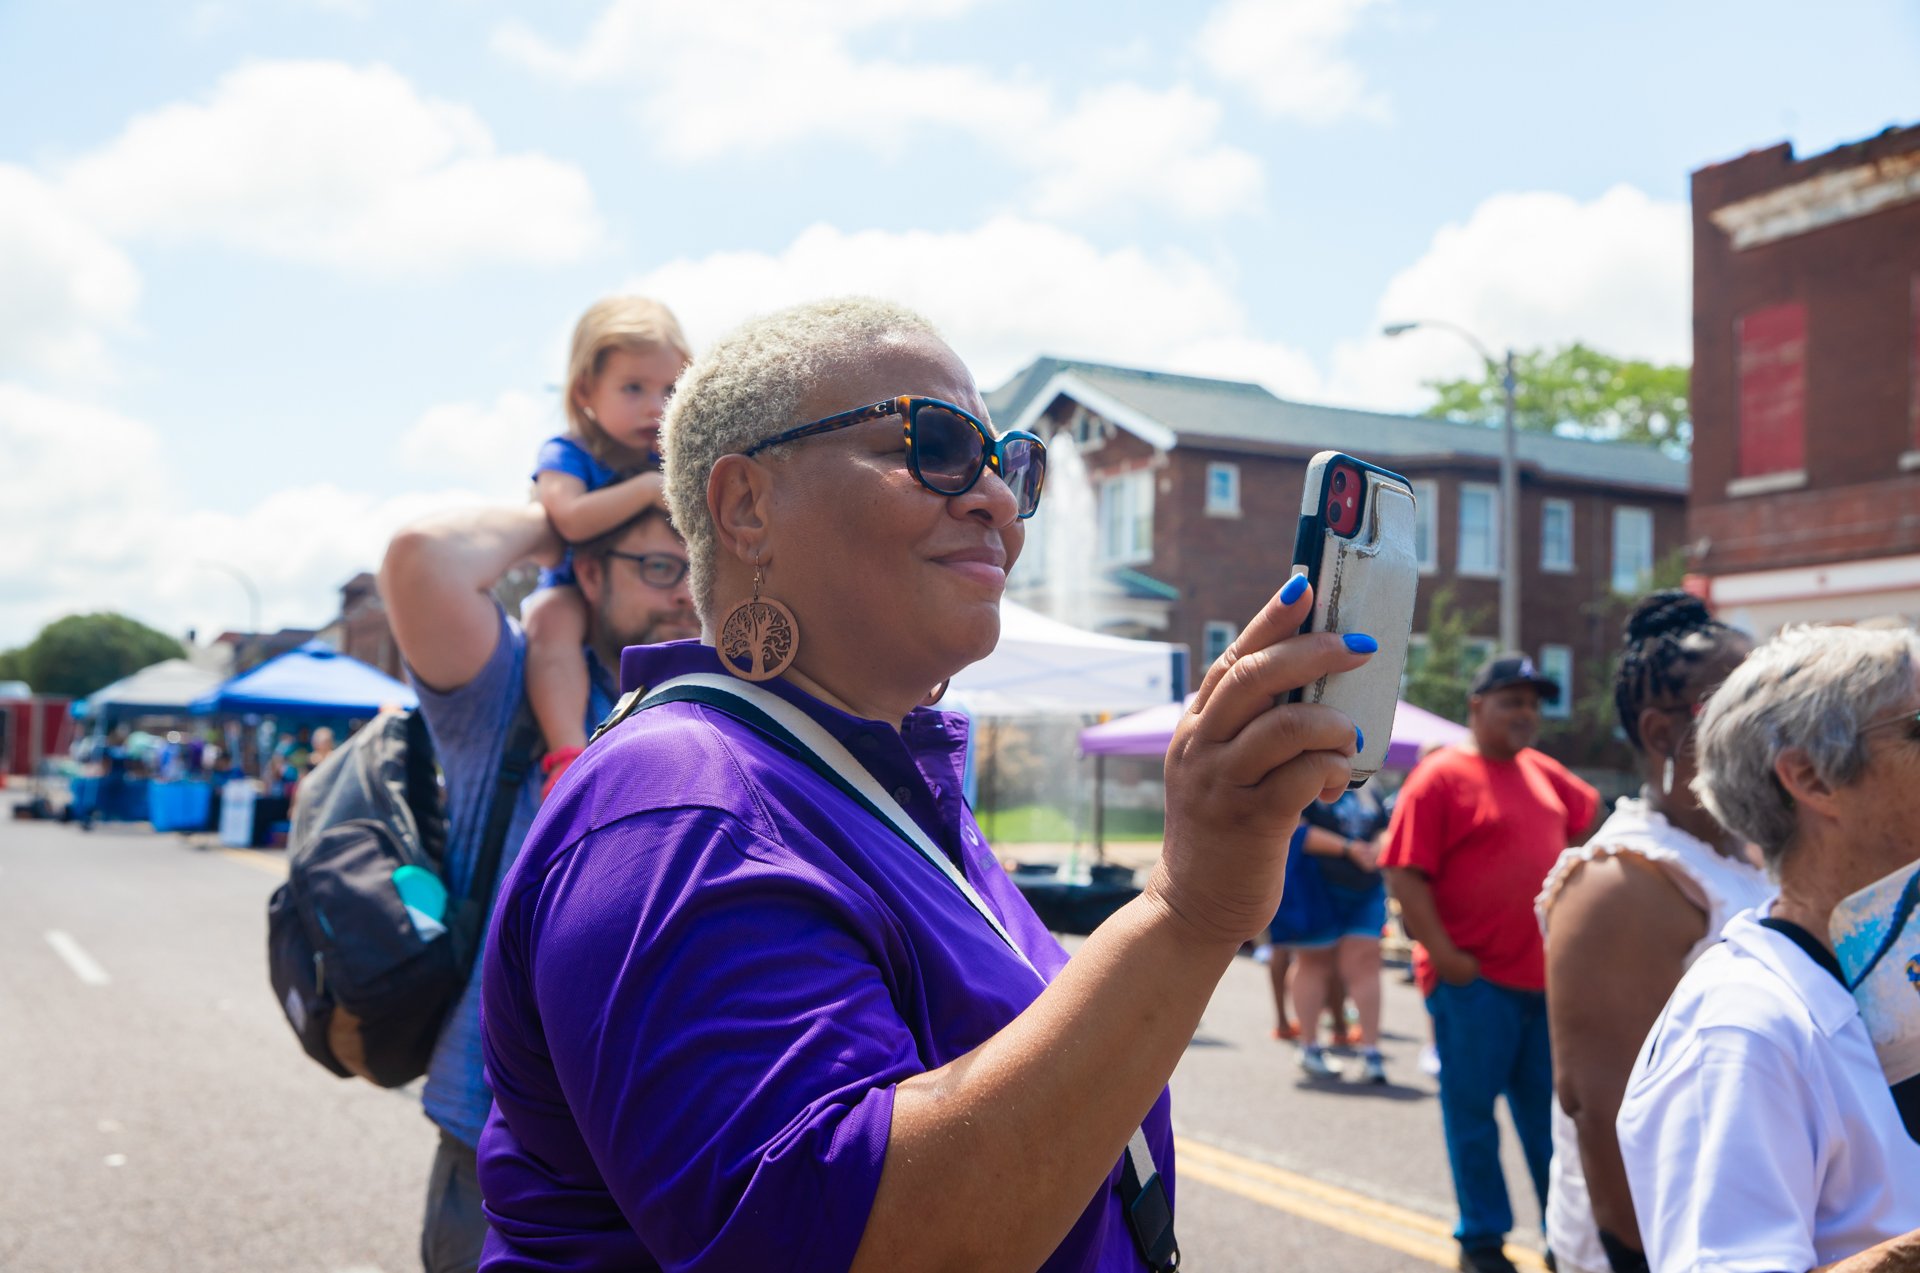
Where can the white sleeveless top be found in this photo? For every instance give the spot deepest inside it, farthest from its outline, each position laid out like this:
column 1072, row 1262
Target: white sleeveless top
column 1718, row 885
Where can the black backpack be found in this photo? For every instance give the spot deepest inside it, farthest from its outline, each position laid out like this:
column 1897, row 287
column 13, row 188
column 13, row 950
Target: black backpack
column 366, row 982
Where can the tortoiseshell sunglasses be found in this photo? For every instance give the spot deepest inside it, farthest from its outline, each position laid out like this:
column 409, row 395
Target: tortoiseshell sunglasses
column 948, row 448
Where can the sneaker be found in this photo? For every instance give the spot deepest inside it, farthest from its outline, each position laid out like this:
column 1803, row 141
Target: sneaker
column 1286, row 1032
column 1316, row 1064
column 1485, row 1259
column 1373, row 1069
column 1430, row 1061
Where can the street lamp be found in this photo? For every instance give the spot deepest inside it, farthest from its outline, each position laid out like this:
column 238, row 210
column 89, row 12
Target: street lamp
column 253, row 593
column 1509, row 480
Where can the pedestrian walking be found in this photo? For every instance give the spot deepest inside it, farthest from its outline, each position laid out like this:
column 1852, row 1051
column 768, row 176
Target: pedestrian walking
column 1475, row 830
column 1330, row 920
column 467, row 659
column 1624, row 916
column 1758, row 1130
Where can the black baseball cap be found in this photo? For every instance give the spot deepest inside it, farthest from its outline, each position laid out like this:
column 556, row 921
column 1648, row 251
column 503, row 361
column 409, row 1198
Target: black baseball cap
column 1513, row 668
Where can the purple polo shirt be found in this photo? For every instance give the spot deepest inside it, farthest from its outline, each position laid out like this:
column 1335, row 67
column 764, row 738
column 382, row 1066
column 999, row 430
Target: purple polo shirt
column 708, row 970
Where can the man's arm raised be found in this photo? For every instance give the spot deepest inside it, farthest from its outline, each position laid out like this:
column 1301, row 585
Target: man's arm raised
column 436, row 581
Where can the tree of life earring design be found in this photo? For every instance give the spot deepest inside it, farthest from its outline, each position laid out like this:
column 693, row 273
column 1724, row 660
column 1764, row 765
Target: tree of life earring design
column 758, row 638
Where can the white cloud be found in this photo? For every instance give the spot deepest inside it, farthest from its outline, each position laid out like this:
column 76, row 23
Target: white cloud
column 62, row 285
column 490, row 445
column 749, row 76
column 326, row 163
column 1125, row 143
column 111, row 534
column 1527, row 270
column 1286, row 55
column 1003, row 293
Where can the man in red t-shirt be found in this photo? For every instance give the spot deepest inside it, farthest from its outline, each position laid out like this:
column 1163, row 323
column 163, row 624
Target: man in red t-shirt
column 1475, row 830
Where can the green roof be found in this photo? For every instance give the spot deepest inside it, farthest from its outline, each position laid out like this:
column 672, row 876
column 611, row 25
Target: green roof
column 1230, row 414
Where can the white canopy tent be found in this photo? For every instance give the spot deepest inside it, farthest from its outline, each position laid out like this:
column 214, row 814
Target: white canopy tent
column 160, row 689
column 1043, row 667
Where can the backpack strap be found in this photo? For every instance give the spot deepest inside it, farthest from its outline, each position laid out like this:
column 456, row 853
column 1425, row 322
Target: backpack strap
column 1143, row 1195
column 516, row 763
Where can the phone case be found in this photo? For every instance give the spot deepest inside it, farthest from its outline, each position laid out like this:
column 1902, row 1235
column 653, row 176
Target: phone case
column 1362, row 583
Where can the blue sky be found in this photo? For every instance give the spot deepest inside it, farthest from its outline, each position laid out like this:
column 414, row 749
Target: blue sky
column 275, row 276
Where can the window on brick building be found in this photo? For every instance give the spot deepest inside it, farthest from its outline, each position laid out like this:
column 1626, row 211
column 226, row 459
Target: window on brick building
column 1126, row 518
column 1215, row 640
column 1632, row 549
column 1426, row 526
column 1479, row 529
column 1556, row 664
column 1772, row 363
column 1223, row 490
column 1556, row 536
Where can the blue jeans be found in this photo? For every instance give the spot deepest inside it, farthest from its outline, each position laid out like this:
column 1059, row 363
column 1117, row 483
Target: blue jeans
column 1492, row 1042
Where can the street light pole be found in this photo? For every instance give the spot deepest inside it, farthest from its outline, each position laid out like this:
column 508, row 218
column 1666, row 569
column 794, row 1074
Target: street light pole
column 1509, row 520
column 253, row 593
column 1509, row 476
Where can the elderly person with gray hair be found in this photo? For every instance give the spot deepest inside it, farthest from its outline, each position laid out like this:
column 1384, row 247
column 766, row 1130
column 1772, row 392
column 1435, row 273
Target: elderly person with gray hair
column 1758, row 1130
column 757, row 996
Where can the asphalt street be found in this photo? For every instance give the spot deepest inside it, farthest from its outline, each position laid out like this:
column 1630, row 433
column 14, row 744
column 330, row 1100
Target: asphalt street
column 160, row 1115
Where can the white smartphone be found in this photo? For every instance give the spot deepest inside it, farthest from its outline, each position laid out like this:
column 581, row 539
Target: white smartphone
column 1355, row 545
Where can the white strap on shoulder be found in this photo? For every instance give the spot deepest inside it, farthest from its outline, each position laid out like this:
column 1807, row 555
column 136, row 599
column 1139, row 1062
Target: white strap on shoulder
column 808, row 733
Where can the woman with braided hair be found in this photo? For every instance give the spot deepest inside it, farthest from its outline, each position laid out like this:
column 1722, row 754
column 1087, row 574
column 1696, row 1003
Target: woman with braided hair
column 1626, row 913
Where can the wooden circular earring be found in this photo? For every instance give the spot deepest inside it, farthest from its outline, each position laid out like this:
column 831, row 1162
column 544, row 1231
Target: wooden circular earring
column 939, row 692
column 759, row 637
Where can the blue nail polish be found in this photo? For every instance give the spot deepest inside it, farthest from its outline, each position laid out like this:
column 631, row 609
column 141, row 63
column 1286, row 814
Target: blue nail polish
column 1360, row 643
column 1291, row 592
column 1359, row 740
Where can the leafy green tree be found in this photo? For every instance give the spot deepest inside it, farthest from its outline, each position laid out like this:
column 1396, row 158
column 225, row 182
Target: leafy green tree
column 13, row 665
column 1582, row 390
column 82, row 652
column 1439, row 676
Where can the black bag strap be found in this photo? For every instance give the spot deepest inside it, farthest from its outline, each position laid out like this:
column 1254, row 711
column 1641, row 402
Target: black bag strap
column 516, row 763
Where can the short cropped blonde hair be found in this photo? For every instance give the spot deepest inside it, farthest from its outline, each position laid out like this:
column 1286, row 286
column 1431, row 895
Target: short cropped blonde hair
column 616, row 322
column 748, row 387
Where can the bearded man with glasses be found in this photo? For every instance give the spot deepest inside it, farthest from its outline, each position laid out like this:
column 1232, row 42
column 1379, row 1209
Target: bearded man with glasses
column 467, row 658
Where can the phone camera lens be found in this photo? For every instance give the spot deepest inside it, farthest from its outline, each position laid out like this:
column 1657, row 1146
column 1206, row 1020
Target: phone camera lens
column 1340, row 480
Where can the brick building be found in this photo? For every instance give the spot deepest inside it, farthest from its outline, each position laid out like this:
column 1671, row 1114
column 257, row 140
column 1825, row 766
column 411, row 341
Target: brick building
column 1806, row 383
column 1194, row 490
column 360, row 631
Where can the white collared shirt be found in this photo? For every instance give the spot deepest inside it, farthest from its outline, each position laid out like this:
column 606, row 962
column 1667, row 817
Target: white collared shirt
column 1758, row 1130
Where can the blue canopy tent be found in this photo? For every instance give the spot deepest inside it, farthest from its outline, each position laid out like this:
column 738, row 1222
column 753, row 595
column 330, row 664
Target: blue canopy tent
column 310, row 680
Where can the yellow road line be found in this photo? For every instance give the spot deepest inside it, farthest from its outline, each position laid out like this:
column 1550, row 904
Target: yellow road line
column 259, row 862
column 1381, row 1223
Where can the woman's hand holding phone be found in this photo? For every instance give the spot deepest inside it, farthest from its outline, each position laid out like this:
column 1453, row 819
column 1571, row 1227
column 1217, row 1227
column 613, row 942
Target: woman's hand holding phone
column 1244, row 762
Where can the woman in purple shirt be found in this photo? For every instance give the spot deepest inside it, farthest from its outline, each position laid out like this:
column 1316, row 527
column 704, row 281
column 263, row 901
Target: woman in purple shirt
column 757, row 995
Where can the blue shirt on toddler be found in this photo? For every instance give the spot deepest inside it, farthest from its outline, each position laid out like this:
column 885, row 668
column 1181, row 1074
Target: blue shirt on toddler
column 564, row 454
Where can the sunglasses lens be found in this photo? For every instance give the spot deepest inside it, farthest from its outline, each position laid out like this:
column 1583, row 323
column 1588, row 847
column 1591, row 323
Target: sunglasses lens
column 948, row 449
column 1026, row 472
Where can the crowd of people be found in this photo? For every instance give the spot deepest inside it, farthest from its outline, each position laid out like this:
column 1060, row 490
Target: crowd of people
column 756, row 994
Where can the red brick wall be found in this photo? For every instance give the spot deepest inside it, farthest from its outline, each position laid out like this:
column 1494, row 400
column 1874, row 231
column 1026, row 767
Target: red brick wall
column 1857, row 280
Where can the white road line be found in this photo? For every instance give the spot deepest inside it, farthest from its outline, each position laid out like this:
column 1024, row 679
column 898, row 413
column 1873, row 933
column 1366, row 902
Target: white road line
column 84, row 966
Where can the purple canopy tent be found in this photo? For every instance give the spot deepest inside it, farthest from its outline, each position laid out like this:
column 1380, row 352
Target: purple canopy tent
column 1148, row 733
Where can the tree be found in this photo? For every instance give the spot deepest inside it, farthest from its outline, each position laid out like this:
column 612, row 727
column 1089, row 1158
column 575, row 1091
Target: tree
column 1581, row 390
column 1439, row 677
column 13, row 666
column 82, row 652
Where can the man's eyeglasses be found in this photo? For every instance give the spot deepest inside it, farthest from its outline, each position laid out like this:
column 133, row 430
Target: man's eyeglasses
column 948, row 448
column 657, row 570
